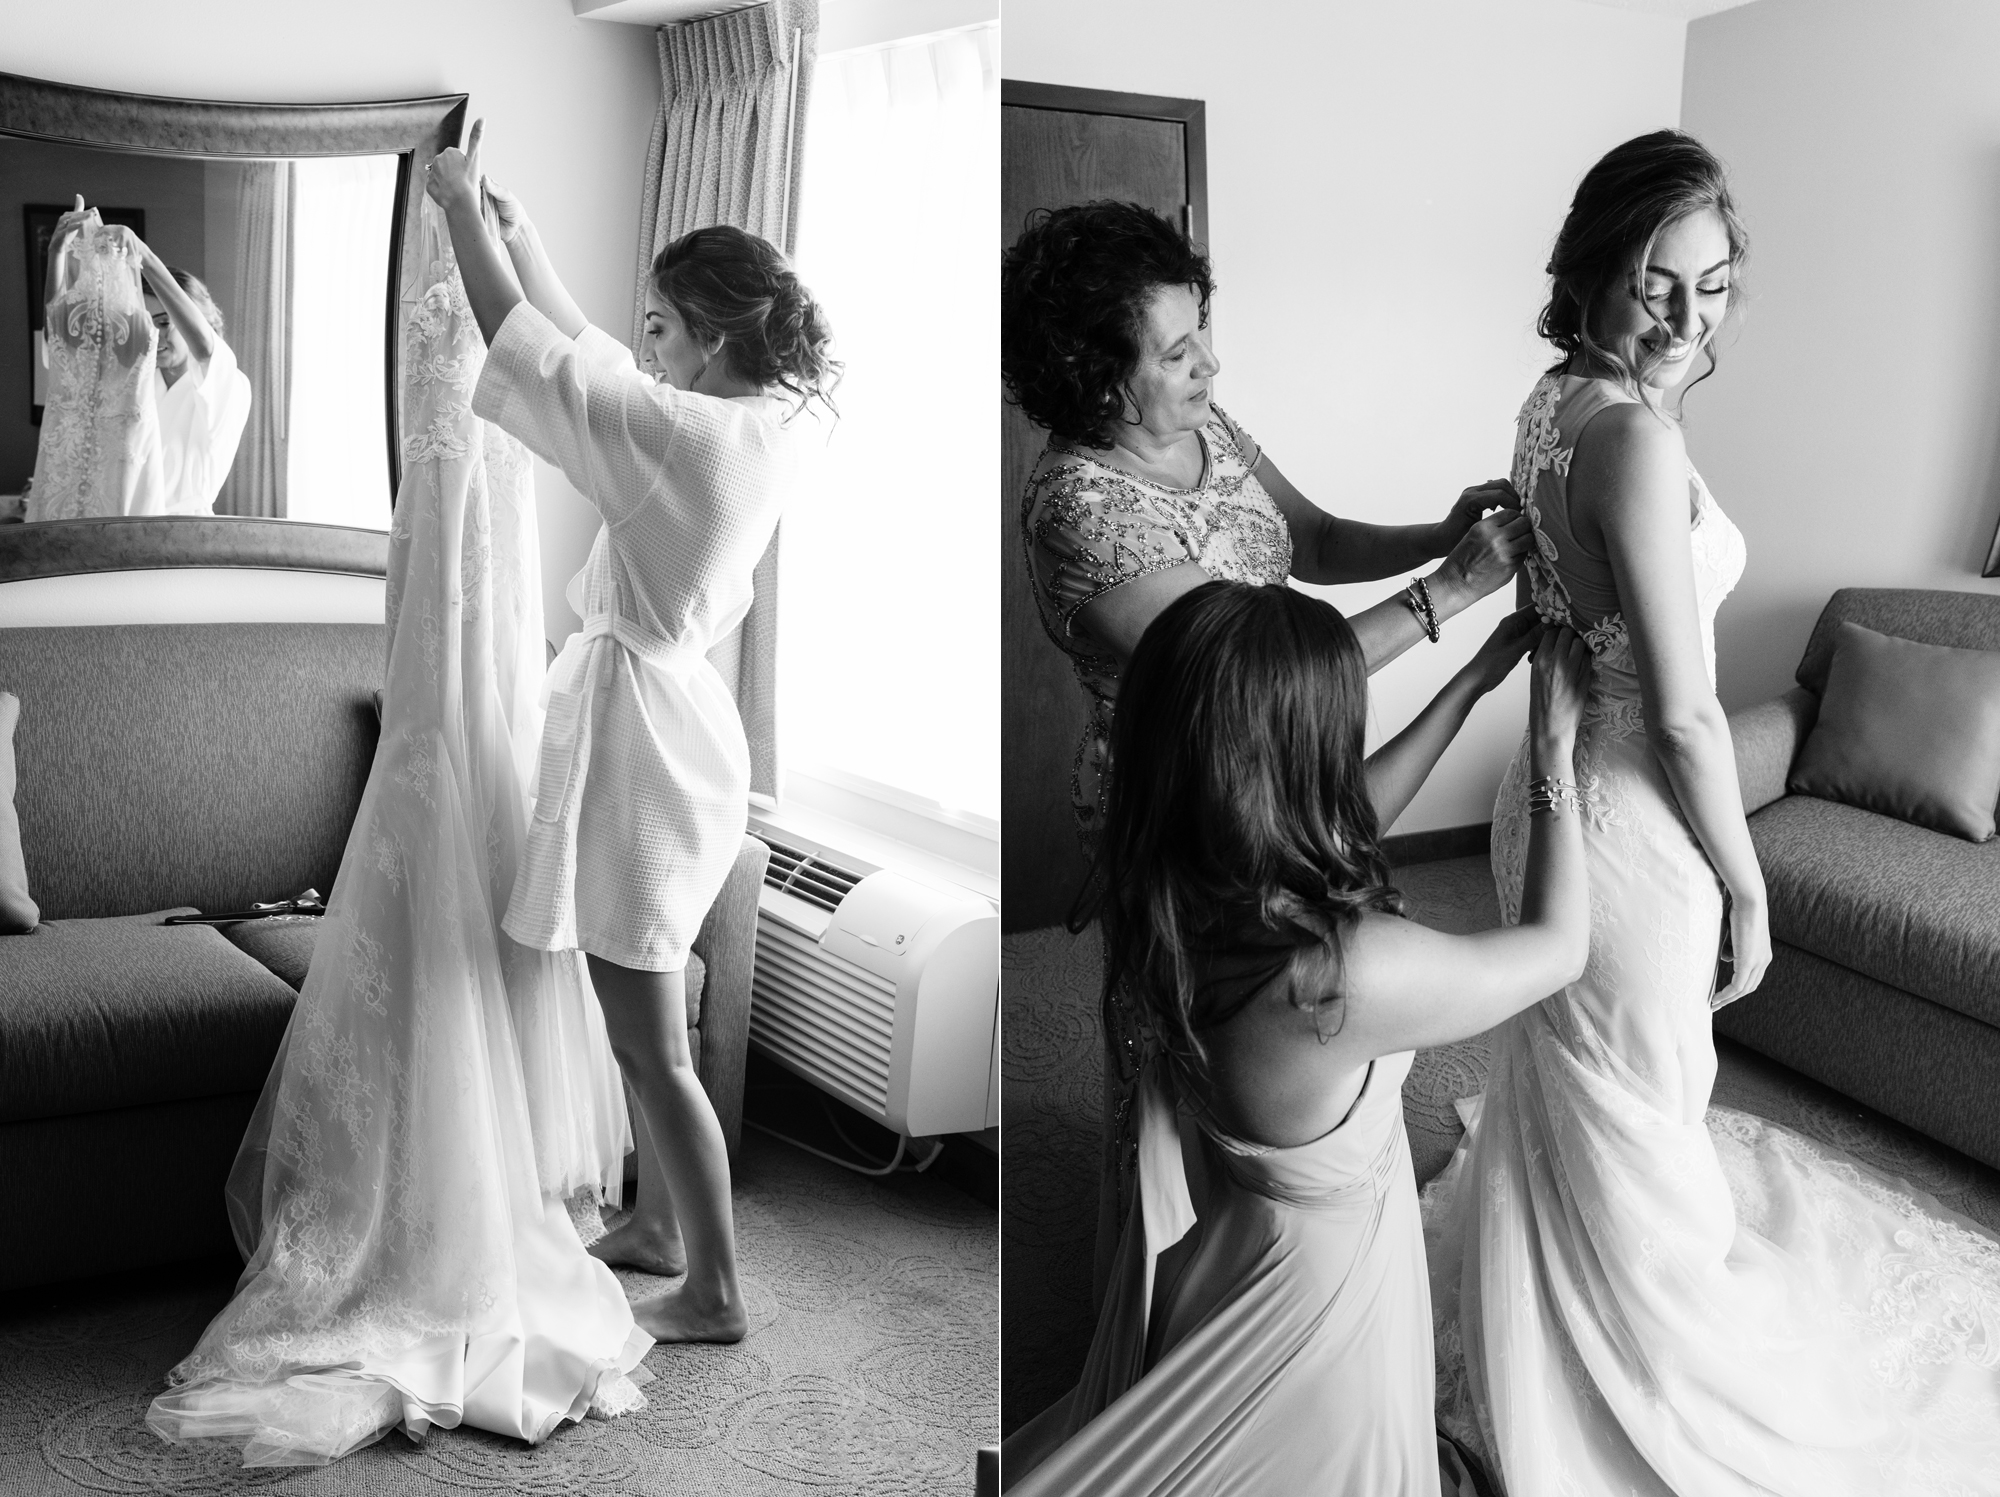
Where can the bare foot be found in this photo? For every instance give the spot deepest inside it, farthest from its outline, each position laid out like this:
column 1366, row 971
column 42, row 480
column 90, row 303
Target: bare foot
column 635, row 1244
column 684, row 1315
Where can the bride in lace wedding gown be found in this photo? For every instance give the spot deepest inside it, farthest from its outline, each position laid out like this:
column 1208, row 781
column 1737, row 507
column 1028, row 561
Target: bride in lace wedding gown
column 441, row 1089
column 1636, row 1293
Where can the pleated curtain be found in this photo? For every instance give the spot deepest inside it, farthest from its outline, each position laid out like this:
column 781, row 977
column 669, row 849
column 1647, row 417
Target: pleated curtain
column 260, row 334
column 727, row 148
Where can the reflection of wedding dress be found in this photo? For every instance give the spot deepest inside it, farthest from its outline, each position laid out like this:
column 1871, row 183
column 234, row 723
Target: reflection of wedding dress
column 1637, row 1293
column 99, row 452
column 440, row 1089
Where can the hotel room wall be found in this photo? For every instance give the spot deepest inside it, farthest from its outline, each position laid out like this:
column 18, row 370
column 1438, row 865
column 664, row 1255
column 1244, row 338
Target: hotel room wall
column 568, row 106
column 1853, row 428
column 1384, row 183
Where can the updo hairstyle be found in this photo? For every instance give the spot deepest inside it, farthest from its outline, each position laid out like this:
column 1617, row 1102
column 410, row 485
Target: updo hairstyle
column 1621, row 207
column 1074, row 289
column 730, row 285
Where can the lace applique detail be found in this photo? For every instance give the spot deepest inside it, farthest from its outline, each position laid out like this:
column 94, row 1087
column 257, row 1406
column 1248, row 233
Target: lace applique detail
column 1087, row 528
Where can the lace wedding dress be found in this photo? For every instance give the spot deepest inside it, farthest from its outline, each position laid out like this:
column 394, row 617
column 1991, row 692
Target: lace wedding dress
column 441, row 1089
column 1637, row 1293
column 99, row 452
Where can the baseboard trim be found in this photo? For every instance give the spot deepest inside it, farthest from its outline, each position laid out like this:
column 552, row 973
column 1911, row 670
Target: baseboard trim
column 1444, row 842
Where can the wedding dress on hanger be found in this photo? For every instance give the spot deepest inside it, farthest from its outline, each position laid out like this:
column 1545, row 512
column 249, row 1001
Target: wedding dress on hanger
column 441, row 1090
column 99, row 452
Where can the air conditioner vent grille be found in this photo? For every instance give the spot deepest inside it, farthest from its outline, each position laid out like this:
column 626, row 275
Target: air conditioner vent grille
column 826, row 1018
column 808, row 876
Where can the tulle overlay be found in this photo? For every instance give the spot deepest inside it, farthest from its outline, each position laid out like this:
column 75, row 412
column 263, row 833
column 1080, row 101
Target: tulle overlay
column 1636, row 1293
column 99, row 450
column 440, row 1090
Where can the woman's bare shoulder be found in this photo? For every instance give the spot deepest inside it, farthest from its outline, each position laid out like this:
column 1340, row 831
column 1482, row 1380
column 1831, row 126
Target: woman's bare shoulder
column 1629, row 434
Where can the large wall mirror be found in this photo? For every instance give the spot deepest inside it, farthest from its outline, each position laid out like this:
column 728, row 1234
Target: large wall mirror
column 283, row 225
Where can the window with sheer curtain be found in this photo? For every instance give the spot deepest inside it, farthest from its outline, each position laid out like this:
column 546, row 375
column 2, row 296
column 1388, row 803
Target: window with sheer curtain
column 889, row 613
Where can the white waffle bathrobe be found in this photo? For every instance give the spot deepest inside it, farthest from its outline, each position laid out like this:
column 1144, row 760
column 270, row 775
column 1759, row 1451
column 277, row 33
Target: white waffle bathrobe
column 644, row 779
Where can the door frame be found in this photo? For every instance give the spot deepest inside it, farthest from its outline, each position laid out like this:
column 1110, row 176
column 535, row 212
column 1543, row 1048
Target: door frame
column 1190, row 114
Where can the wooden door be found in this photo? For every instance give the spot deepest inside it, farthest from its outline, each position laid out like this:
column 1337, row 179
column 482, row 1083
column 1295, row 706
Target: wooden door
column 1061, row 146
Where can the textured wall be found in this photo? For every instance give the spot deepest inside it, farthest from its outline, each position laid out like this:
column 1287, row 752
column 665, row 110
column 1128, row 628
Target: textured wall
column 568, row 105
column 1853, row 429
column 1384, row 183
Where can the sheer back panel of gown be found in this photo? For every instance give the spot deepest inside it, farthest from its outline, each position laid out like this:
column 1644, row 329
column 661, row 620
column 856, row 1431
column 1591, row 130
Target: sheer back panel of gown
column 99, row 450
column 399, row 1192
column 1636, row 1293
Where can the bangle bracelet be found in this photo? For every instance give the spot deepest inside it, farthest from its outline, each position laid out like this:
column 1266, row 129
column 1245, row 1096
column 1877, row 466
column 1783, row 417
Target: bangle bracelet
column 1552, row 794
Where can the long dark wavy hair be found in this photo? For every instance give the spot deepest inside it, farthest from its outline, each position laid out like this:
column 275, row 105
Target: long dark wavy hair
column 1238, row 818
column 1621, row 207
column 732, row 286
column 1074, row 289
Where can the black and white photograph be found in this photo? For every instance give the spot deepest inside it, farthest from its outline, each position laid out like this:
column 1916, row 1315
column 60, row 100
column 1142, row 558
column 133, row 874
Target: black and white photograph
column 1501, row 920
column 499, row 742
column 1418, row 915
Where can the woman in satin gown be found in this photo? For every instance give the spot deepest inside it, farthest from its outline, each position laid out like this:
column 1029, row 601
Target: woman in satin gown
column 1637, row 1293
column 1266, row 1325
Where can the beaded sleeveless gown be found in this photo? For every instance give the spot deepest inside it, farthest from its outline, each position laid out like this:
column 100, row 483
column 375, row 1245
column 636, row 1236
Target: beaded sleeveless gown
column 1637, row 1293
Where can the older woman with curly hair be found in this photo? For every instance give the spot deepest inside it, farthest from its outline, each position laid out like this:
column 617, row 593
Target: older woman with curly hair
column 1147, row 490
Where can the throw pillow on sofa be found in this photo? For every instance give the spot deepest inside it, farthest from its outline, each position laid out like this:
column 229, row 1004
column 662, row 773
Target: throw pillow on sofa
column 1909, row 730
column 18, row 913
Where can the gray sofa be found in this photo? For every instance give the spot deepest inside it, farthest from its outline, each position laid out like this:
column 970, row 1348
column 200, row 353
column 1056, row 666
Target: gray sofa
column 1885, row 976
column 167, row 767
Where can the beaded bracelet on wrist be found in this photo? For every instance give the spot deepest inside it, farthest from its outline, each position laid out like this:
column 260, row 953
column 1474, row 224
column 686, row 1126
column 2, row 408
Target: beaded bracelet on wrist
column 1418, row 598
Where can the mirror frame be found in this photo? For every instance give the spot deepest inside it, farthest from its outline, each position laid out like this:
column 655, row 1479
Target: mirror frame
column 413, row 130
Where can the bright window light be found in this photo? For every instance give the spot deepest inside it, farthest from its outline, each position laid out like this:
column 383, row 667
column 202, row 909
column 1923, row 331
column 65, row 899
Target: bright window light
column 889, row 634
column 338, row 467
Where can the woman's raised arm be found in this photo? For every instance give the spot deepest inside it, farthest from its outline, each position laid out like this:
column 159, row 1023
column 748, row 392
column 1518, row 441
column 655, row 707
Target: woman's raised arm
column 453, row 184
column 539, row 281
column 1398, row 769
column 1480, row 550
column 1408, row 987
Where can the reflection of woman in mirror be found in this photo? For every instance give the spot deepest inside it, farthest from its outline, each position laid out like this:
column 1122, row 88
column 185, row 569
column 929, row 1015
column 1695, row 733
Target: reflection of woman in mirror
column 645, row 773
column 201, row 396
column 204, row 398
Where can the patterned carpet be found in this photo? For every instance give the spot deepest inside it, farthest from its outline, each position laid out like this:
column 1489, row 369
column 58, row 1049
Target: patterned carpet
column 868, row 1369
column 1052, row 1074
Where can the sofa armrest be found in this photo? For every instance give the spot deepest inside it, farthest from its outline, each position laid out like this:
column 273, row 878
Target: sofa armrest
column 727, row 946
column 1767, row 739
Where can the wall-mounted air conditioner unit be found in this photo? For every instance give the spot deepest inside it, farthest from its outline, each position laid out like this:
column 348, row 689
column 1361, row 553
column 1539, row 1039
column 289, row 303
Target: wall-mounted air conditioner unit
column 881, row 990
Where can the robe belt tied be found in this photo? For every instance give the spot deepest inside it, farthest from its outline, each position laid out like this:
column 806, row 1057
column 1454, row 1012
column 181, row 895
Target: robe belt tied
column 566, row 732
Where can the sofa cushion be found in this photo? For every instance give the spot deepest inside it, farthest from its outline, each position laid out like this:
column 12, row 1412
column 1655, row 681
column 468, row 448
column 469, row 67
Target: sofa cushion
column 284, row 944
column 125, row 1012
column 1965, row 621
column 1902, row 904
column 211, row 765
column 18, row 913
column 1910, row 730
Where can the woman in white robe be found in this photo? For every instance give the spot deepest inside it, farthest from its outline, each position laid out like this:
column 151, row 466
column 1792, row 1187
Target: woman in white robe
column 643, row 786
column 202, row 395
